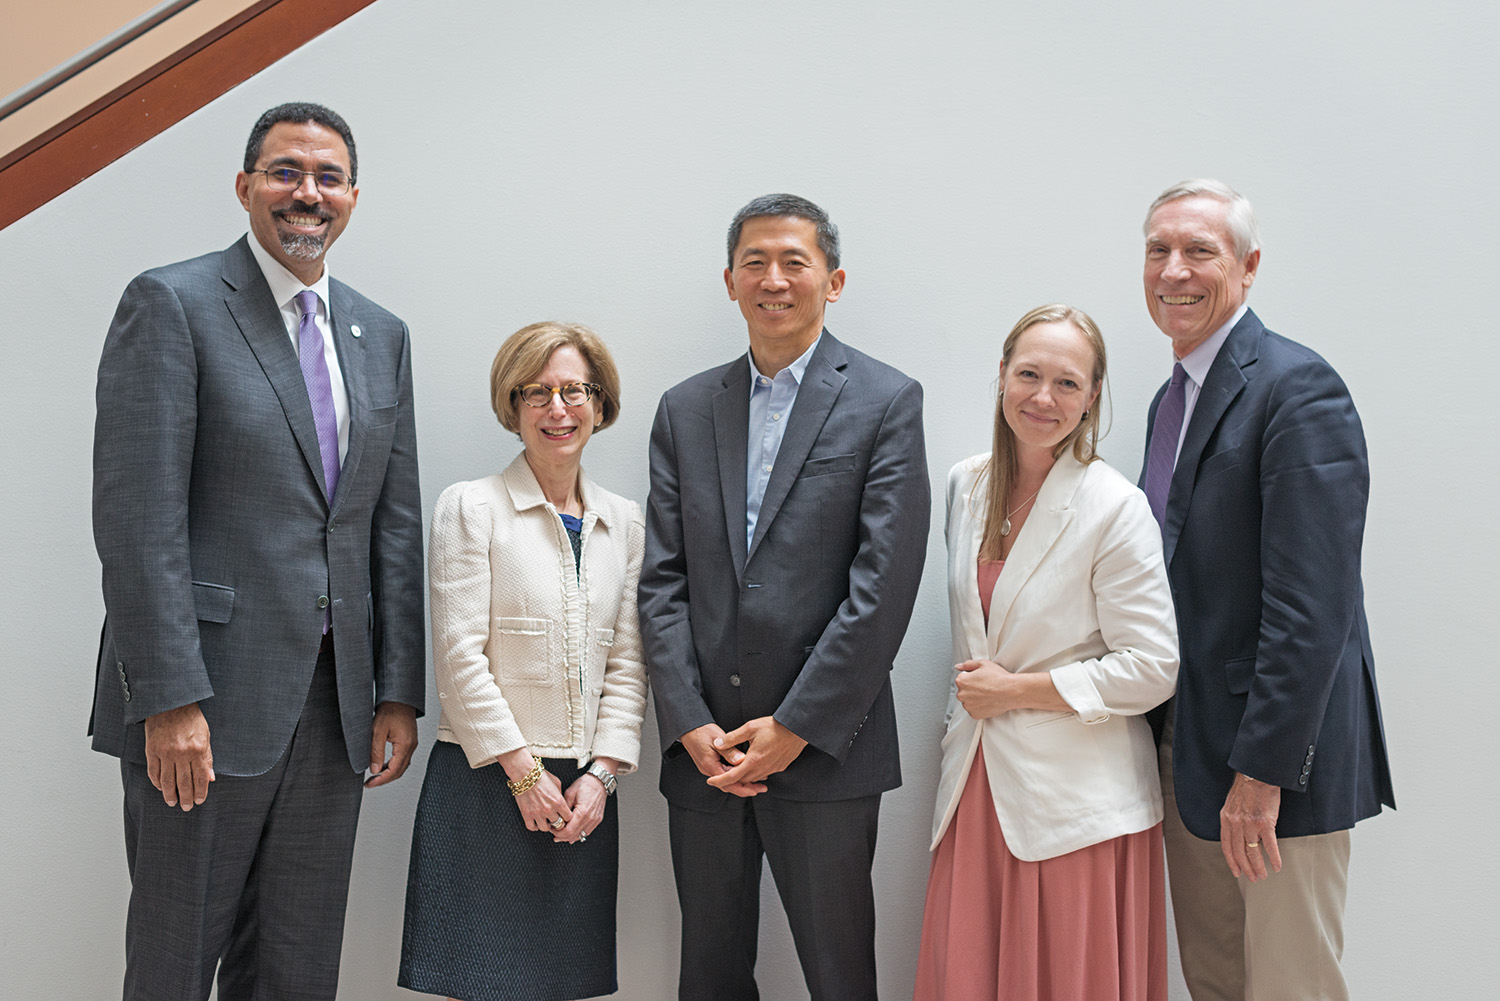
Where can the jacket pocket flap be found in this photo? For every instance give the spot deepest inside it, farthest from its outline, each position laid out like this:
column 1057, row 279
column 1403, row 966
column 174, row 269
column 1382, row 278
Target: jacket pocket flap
column 824, row 465
column 212, row 602
column 524, row 627
column 1238, row 674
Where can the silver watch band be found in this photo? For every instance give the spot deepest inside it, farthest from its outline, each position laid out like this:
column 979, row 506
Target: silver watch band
column 604, row 775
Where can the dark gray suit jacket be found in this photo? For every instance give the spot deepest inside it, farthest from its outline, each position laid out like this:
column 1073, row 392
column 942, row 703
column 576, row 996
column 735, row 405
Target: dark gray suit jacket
column 803, row 626
column 1264, row 524
column 211, row 519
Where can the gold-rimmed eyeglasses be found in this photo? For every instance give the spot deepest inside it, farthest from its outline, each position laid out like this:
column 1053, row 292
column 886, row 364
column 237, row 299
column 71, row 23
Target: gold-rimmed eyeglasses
column 330, row 182
column 574, row 394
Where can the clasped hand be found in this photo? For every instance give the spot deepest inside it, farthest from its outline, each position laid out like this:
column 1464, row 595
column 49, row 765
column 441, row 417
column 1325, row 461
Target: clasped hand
column 768, row 748
column 985, row 689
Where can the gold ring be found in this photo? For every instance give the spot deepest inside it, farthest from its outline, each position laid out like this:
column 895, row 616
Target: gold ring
column 557, row 824
column 1252, row 844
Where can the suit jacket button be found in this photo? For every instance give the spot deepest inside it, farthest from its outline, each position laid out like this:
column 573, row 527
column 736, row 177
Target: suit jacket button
column 734, row 679
column 322, row 601
column 1302, row 780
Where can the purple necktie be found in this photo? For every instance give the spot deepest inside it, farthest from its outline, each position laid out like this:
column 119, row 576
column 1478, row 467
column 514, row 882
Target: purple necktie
column 319, row 387
column 1164, row 434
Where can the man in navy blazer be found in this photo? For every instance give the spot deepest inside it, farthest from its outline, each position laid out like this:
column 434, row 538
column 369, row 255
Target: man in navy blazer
column 1273, row 747
column 257, row 514
column 785, row 534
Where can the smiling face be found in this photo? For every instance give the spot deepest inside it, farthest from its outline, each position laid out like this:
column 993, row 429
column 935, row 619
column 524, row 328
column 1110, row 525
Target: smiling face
column 782, row 284
column 297, row 227
column 1048, row 384
column 554, row 435
column 1194, row 281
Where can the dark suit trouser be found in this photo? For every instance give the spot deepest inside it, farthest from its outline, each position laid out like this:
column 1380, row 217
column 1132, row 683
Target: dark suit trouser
column 820, row 854
column 257, row 876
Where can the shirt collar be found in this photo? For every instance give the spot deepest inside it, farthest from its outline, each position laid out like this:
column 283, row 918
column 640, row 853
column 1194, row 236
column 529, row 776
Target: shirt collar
column 285, row 285
column 1198, row 361
column 796, row 369
column 526, row 492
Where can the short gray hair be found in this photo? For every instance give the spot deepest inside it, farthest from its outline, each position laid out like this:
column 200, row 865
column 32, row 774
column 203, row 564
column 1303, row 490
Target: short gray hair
column 1240, row 217
column 788, row 205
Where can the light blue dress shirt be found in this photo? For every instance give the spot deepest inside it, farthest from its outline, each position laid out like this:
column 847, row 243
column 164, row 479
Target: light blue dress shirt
column 771, row 401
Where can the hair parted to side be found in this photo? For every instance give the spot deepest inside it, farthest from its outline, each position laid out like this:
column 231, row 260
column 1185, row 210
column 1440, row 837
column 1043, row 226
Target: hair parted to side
column 299, row 113
column 1240, row 217
column 1001, row 471
column 527, row 351
column 788, row 205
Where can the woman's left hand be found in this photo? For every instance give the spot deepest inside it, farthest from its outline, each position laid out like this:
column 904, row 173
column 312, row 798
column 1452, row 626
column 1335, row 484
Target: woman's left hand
column 586, row 798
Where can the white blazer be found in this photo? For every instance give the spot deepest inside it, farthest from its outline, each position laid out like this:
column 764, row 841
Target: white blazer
column 1083, row 595
column 526, row 653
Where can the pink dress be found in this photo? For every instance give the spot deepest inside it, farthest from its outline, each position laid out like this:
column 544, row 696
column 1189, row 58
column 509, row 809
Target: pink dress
column 1086, row 926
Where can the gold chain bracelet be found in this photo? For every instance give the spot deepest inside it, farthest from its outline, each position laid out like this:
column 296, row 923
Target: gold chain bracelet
column 525, row 782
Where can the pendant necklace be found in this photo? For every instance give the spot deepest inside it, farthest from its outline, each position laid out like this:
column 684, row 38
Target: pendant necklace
column 1005, row 525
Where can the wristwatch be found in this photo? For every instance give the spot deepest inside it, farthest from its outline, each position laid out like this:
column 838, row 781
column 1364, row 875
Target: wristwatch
column 604, row 775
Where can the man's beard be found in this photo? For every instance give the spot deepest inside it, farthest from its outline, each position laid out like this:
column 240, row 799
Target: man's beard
column 302, row 246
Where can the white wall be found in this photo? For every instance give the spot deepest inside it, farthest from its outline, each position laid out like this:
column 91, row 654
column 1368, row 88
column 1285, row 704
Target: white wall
column 581, row 161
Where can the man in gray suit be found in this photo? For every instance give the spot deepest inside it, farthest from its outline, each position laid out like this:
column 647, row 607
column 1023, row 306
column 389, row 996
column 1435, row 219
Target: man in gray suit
column 256, row 511
column 785, row 534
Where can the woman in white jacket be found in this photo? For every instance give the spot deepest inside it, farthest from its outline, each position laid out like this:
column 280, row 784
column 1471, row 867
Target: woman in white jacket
column 1047, row 877
column 536, row 648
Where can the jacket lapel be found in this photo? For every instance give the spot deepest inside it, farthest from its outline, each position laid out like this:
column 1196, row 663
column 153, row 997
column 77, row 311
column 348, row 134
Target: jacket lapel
column 1226, row 380
column 731, row 434
column 352, row 365
column 250, row 304
column 820, row 388
column 965, row 570
column 1053, row 510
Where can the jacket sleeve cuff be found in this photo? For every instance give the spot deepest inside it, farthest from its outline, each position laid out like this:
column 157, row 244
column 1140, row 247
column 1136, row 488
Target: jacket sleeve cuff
column 1078, row 691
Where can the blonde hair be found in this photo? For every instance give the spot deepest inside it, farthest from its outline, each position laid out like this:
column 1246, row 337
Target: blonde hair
column 527, row 351
column 1001, row 471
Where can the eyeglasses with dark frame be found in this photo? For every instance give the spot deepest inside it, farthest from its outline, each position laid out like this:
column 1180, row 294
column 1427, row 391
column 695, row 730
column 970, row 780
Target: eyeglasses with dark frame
column 574, row 394
column 330, row 182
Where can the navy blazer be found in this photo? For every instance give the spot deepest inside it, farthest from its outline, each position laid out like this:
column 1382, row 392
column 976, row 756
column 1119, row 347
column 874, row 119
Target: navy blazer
column 1264, row 523
column 804, row 624
column 220, row 549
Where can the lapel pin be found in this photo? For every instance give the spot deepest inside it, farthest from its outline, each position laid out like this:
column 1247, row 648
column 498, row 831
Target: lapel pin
column 355, row 330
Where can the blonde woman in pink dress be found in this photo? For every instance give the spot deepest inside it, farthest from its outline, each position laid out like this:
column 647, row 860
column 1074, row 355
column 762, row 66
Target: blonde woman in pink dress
column 1047, row 874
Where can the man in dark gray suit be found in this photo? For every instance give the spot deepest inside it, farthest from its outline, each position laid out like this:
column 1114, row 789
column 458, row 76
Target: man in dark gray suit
column 785, row 534
column 257, row 514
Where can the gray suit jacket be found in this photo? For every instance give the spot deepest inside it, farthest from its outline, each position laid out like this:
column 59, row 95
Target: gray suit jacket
column 211, row 519
column 805, row 624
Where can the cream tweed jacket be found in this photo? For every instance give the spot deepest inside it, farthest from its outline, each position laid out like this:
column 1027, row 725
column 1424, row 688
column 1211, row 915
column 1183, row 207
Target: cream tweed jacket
column 526, row 652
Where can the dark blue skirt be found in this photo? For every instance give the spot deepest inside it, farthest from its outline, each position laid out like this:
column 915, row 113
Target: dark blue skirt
column 496, row 912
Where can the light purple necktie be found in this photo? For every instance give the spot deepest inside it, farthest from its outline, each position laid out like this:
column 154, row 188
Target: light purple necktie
column 1164, row 434
column 319, row 387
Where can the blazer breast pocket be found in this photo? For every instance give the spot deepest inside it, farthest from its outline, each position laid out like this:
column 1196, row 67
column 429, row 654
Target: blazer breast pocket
column 827, row 465
column 378, row 416
column 1221, row 462
column 523, row 649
